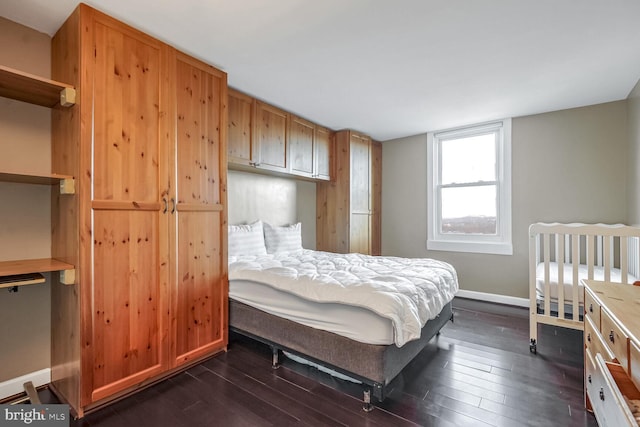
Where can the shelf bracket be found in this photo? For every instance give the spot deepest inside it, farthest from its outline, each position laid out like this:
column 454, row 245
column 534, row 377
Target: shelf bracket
column 67, row 97
column 67, row 186
column 68, row 277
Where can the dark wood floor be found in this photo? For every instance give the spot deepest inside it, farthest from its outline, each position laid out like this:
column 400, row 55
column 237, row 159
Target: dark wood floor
column 479, row 372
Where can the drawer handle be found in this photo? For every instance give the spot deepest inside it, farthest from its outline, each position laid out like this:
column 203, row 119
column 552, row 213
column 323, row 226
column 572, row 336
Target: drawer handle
column 601, row 394
column 589, row 379
column 589, row 337
column 590, row 308
column 611, row 337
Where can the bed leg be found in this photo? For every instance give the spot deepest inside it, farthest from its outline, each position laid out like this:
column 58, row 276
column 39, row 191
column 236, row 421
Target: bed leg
column 366, row 401
column 275, row 364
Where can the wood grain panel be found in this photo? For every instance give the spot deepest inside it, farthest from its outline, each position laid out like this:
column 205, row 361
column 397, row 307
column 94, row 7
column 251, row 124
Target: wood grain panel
column 200, row 292
column 198, row 133
column 240, row 146
column 360, row 174
column 333, row 201
column 271, row 137
column 360, row 233
column 65, row 219
column 129, row 302
column 126, row 117
column 198, row 225
column 301, row 146
column 376, row 198
column 323, row 153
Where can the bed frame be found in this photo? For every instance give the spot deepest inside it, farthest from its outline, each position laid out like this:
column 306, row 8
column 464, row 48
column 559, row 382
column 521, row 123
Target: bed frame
column 373, row 365
column 594, row 246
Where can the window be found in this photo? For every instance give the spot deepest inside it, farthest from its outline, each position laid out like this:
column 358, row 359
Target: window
column 469, row 189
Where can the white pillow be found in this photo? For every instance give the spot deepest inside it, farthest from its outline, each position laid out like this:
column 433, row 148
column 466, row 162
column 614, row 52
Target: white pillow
column 246, row 239
column 283, row 239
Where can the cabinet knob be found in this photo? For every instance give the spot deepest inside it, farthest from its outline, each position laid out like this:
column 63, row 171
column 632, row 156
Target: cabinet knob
column 590, row 308
column 611, row 337
column 601, row 394
column 589, row 337
column 589, row 378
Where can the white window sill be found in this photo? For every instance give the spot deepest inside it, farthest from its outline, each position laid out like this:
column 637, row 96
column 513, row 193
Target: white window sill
column 495, row 248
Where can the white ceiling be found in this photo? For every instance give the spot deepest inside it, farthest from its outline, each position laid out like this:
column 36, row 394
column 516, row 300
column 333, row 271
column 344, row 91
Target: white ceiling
column 394, row 68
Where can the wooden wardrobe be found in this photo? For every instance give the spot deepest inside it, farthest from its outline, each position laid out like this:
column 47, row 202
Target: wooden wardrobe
column 146, row 229
column 348, row 207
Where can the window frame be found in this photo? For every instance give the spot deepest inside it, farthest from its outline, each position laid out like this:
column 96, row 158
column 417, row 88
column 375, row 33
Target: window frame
column 498, row 244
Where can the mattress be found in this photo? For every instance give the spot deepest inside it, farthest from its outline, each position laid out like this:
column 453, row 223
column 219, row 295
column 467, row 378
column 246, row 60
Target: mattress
column 407, row 292
column 356, row 323
column 598, row 274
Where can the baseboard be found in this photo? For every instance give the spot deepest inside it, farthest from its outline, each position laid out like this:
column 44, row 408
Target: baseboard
column 500, row 299
column 16, row 385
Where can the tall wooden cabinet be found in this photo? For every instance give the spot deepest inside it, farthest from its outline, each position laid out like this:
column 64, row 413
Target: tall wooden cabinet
column 147, row 229
column 348, row 208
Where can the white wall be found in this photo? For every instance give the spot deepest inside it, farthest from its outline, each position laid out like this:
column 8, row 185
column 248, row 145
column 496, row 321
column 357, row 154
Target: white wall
column 633, row 159
column 567, row 166
column 278, row 201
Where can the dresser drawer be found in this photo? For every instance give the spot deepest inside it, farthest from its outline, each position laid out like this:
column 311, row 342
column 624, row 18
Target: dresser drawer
column 594, row 342
column 634, row 363
column 592, row 308
column 604, row 393
column 615, row 338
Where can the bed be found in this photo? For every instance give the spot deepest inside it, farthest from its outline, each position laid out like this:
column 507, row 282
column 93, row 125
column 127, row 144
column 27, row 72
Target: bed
column 361, row 316
column 561, row 255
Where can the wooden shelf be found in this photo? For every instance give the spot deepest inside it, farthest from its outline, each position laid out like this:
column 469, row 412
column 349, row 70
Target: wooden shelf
column 66, row 182
column 26, row 266
column 37, row 90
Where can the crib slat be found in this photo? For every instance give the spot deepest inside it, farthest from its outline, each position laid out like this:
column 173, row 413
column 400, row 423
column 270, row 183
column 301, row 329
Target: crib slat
column 591, row 255
column 560, row 254
column 575, row 307
column 624, row 278
column 547, row 279
column 607, row 258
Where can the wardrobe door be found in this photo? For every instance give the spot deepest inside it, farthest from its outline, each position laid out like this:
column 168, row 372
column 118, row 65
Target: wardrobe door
column 128, row 294
column 198, row 223
column 360, row 224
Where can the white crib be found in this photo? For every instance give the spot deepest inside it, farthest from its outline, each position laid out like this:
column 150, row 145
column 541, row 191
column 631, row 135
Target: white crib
column 561, row 255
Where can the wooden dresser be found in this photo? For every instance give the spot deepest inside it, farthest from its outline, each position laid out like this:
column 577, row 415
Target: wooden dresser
column 612, row 351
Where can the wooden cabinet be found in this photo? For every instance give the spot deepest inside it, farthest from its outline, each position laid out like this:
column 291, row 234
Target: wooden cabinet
column 241, row 148
column 612, row 336
column 323, row 153
column 348, row 207
column 309, row 149
column 34, row 89
column 148, row 228
column 271, row 137
column 266, row 139
column 301, row 146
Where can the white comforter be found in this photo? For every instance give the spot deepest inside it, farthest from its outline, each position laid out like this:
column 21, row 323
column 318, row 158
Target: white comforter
column 408, row 291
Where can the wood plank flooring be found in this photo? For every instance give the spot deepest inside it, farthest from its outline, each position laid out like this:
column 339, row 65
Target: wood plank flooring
column 478, row 372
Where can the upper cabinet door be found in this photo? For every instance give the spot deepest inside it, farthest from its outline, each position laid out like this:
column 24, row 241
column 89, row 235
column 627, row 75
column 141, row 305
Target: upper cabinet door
column 241, row 147
column 127, row 298
column 198, row 224
column 301, row 146
column 360, row 147
column 271, row 137
column 323, row 146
